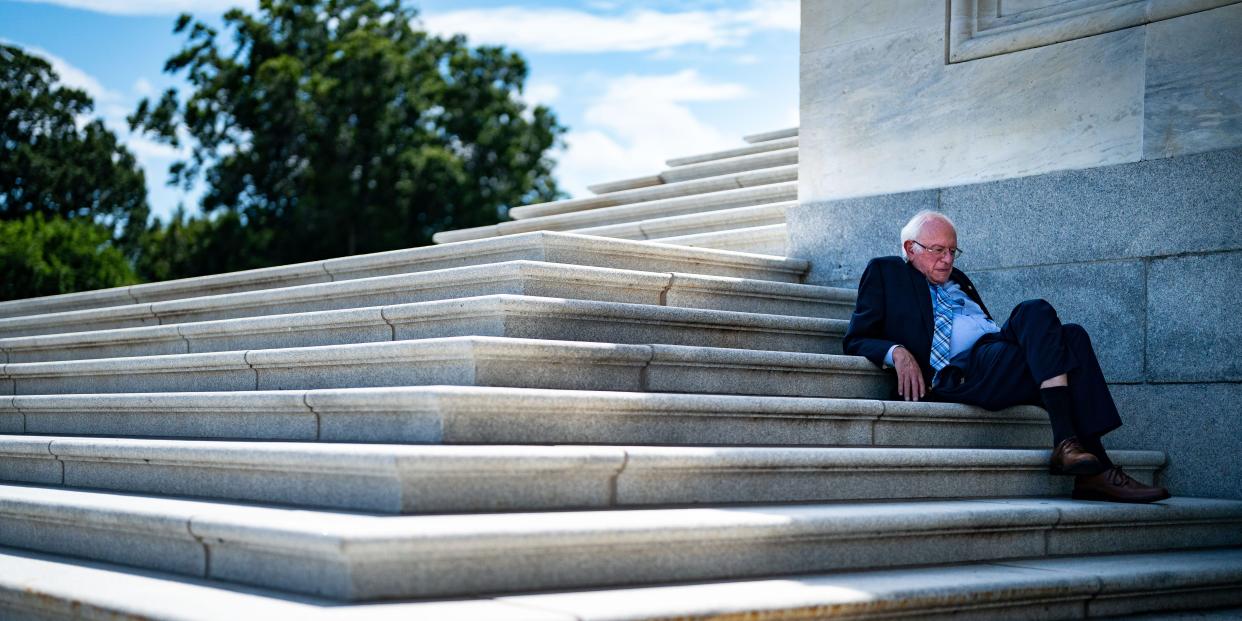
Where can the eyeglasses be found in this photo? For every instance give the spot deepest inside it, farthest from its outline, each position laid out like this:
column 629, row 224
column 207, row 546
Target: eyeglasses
column 940, row 251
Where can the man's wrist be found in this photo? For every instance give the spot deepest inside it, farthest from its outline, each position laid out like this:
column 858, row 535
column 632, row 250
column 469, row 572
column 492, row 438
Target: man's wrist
column 888, row 357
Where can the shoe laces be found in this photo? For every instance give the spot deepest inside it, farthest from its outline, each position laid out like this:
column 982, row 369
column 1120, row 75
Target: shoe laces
column 1117, row 476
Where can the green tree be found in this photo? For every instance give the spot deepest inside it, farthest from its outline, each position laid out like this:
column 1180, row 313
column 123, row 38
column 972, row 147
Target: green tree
column 45, row 256
column 186, row 246
column 49, row 165
column 339, row 127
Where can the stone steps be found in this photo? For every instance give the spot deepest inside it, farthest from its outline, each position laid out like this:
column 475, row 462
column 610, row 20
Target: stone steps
column 750, row 149
column 714, row 201
column 491, row 415
column 779, row 139
column 715, row 168
column 356, row 557
column 717, row 221
column 771, row 239
column 464, row 361
column 43, row 586
column 546, row 246
column 684, row 425
column 772, row 135
column 1061, row 588
column 400, row 479
column 533, row 278
column 501, row 315
column 669, row 190
column 632, row 183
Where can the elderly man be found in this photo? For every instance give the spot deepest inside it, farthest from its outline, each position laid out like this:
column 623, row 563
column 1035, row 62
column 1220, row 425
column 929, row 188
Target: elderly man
column 922, row 317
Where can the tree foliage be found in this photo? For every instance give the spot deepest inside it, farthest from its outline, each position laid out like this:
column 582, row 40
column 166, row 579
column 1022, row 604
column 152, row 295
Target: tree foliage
column 198, row 246
column 42, row 255
column 55, row 162
column 334, row 127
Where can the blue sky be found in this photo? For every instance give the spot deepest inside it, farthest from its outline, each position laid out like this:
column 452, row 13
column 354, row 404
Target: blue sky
column 636, row 82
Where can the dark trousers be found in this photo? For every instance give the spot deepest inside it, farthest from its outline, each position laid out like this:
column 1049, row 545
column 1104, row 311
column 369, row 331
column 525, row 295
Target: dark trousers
column 1006, row 369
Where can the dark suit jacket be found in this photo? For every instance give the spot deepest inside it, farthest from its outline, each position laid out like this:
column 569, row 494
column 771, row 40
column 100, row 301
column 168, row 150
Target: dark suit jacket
column 894, row 308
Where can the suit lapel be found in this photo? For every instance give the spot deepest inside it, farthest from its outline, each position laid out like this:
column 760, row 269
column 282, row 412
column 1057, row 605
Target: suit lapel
column 969, row 289
column 922, row 299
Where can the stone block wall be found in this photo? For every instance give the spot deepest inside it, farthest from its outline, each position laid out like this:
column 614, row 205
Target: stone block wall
column 1090, row 152
column 904, row 95
column 1147, row 256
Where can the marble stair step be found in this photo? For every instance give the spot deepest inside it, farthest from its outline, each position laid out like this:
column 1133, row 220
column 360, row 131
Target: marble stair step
column 771, row 239
column 750, row 149
column 631, row 183
column 1088, row 586
column 536, row 278
column 743, row 163
column 658, row 229
column 498, row 415
column 503, row 315
column 399, row 479
column 39, row 586
column 552, row 247
column 772, row 135
column 714, row 201
column 465, row 361
column 779, row 140
column 353, row 557
column 669, row 190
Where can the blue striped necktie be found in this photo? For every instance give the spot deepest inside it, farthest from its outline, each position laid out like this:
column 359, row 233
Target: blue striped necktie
column 943, row 314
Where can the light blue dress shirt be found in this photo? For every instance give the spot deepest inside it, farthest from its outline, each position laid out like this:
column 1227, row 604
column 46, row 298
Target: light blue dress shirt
column 969, row 322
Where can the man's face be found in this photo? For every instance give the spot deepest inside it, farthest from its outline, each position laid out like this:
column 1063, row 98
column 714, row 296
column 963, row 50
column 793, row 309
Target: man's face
column 935, row 234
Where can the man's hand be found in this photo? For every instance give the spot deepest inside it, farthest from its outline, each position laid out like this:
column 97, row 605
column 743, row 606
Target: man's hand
column 909, row 375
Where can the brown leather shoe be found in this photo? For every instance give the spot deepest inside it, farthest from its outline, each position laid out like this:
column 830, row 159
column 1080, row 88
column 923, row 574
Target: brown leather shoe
column 1069, row 457
column 1114, row 485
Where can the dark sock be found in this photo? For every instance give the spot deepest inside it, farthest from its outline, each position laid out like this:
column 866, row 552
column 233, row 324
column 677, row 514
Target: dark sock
column 1060, row 406
column 1092, row 445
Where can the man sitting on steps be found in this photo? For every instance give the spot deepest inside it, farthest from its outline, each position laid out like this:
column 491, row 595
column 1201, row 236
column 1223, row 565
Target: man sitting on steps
column 921, row 316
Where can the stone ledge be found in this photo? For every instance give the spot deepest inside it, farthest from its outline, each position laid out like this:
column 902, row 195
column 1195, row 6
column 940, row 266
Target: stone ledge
column 1020, row 589
column 547, row 246
column 694, row 223
column 759, row 161
column 645, row 181
column 770, row 240
column 357, row 557
column 520, row 277
column 459, row 479
column 750, row 149
column 724, row 199
column 37, row 584
column 772, row 135
column 517, row 316
column 489, row 415
column 669, row 190
column 468, row 360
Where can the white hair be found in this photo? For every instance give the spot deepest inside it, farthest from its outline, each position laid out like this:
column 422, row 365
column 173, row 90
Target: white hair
column 916, row 224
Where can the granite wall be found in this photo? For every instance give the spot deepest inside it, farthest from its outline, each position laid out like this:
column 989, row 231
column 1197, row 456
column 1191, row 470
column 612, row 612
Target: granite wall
column 903, row 95
column 1091, row 154
column 1147, row 256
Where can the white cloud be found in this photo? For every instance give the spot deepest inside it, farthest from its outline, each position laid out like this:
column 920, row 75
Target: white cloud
column 791, row 117
column 73, row 77
column 150, row 7
column 541, row 93
column 638, row 122
column 570, row 30
column 774, row 15
column 143, row 88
